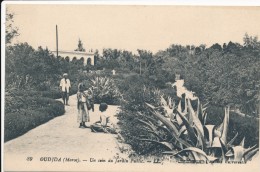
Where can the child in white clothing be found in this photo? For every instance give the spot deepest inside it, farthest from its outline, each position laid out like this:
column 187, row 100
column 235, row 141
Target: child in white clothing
column 104, row 124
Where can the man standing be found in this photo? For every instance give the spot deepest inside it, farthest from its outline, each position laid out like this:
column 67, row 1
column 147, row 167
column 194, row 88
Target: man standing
column 65, row 87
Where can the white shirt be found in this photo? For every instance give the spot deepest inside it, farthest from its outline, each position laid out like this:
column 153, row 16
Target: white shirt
column 65, row 85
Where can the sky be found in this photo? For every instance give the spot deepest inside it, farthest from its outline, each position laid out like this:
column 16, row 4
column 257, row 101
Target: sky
column 132, row 27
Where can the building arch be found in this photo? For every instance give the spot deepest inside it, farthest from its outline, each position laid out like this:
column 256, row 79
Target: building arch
column 89, row 61
column 67, row 59
column 78, row 55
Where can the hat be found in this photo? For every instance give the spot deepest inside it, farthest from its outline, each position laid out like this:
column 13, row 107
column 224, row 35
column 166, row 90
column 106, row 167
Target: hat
column 65, row 74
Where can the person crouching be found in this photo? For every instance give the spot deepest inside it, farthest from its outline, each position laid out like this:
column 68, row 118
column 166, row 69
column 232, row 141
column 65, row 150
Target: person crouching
column 104, row 124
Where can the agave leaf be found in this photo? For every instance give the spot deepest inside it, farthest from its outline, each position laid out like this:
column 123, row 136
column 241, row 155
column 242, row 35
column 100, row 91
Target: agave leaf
column 185, row 107
column 169, row 125
column 196, row 120
column 201, row 141
column 238, row 153
column 198, row 156
column 205, row 118
column 177, row 118
column 200, row 111
column 205, row 105
column 179, row 107
column 229, row 153
column 170, row 152
column 249, row 149
column 163, row 101
column 198, row 126
column 182, row 130
column 242, row 143
column 204, row 109
column 165, row 144
column 223, row 150
column 194, row 150
column 151, row 106
column 189, row 128
column 225, row 126
column 249, row 154
column 153, row 129
column 232, row 140
column 216, row 143
column 210, row 131
column 165, row 129
column 219, row 128
column 170, row 103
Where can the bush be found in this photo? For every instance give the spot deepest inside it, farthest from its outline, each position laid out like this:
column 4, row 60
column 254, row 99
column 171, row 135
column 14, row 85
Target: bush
column 159, row 126
column 23, row 113
column 106, row 91
column 132, row 130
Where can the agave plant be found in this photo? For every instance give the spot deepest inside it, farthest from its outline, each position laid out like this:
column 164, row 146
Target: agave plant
column 105, row 88
column 190, row 137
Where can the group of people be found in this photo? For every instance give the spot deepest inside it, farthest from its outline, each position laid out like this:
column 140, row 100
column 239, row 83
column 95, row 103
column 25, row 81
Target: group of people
column 85, row 104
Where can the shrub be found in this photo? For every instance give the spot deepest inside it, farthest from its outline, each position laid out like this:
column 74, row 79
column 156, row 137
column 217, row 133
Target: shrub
column 22, row 113
column 105, row 90
column 134, row 98
column 181, row 130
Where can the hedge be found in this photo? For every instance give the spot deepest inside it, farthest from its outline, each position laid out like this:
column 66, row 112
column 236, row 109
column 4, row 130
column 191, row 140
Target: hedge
column 23, row 113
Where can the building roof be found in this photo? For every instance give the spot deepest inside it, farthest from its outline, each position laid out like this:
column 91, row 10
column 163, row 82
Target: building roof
column 74, row 52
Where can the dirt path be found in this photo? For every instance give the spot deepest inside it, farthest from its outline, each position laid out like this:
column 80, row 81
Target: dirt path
column 62, row 137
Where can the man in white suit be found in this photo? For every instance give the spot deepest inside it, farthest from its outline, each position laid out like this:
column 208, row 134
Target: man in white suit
column 65, row 88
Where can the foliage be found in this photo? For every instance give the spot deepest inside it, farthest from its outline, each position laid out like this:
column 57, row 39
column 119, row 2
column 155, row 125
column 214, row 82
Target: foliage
column 192, row 139
column 105, row 90
column 23, row 113
column 221, row 76
column 22, row 61
column 10, row 30
column 179, row 129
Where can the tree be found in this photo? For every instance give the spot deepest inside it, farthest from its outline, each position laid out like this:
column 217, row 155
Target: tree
column 10, row 30
column 202, row 47
column 250, row 41
column 216, row 47
column 197, row 50
column 145, row 57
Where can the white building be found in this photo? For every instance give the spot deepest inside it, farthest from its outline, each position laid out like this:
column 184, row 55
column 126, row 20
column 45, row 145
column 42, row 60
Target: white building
column 87, row 56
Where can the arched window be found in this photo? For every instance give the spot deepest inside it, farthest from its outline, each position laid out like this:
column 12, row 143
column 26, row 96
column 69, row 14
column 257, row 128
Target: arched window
column 74, row 59
column 67, row 58
column 82, row 60
column 89, row 61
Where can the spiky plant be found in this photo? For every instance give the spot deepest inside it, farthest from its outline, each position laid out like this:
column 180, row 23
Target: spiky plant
column 105, row 90
column 188, row 136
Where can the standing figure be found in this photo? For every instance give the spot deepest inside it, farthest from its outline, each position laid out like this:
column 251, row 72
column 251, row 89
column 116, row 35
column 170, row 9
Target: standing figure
column 65, row 88
column 83, row 113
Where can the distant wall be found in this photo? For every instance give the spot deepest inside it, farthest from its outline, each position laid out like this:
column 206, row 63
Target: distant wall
column 87, row 56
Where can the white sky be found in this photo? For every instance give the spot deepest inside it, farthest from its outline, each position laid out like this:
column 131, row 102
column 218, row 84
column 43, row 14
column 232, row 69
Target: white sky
column 132, row 27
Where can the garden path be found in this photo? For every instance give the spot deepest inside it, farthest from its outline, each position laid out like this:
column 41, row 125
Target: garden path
column 62, row 137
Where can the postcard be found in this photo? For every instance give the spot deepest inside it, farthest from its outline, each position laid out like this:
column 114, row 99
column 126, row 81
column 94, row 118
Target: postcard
column 92, row 86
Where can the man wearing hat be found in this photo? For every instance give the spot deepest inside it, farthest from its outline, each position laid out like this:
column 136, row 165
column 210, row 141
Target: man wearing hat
column 65, row 87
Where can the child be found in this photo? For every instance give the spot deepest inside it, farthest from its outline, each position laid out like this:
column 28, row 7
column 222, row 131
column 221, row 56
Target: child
column 103, row 125
column 90, row 100
column 83, row 114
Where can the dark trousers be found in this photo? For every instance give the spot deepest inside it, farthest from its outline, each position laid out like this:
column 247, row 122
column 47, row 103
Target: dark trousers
column 65, row 97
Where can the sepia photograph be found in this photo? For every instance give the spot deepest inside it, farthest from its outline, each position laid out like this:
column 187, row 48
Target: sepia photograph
column 88, row 86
